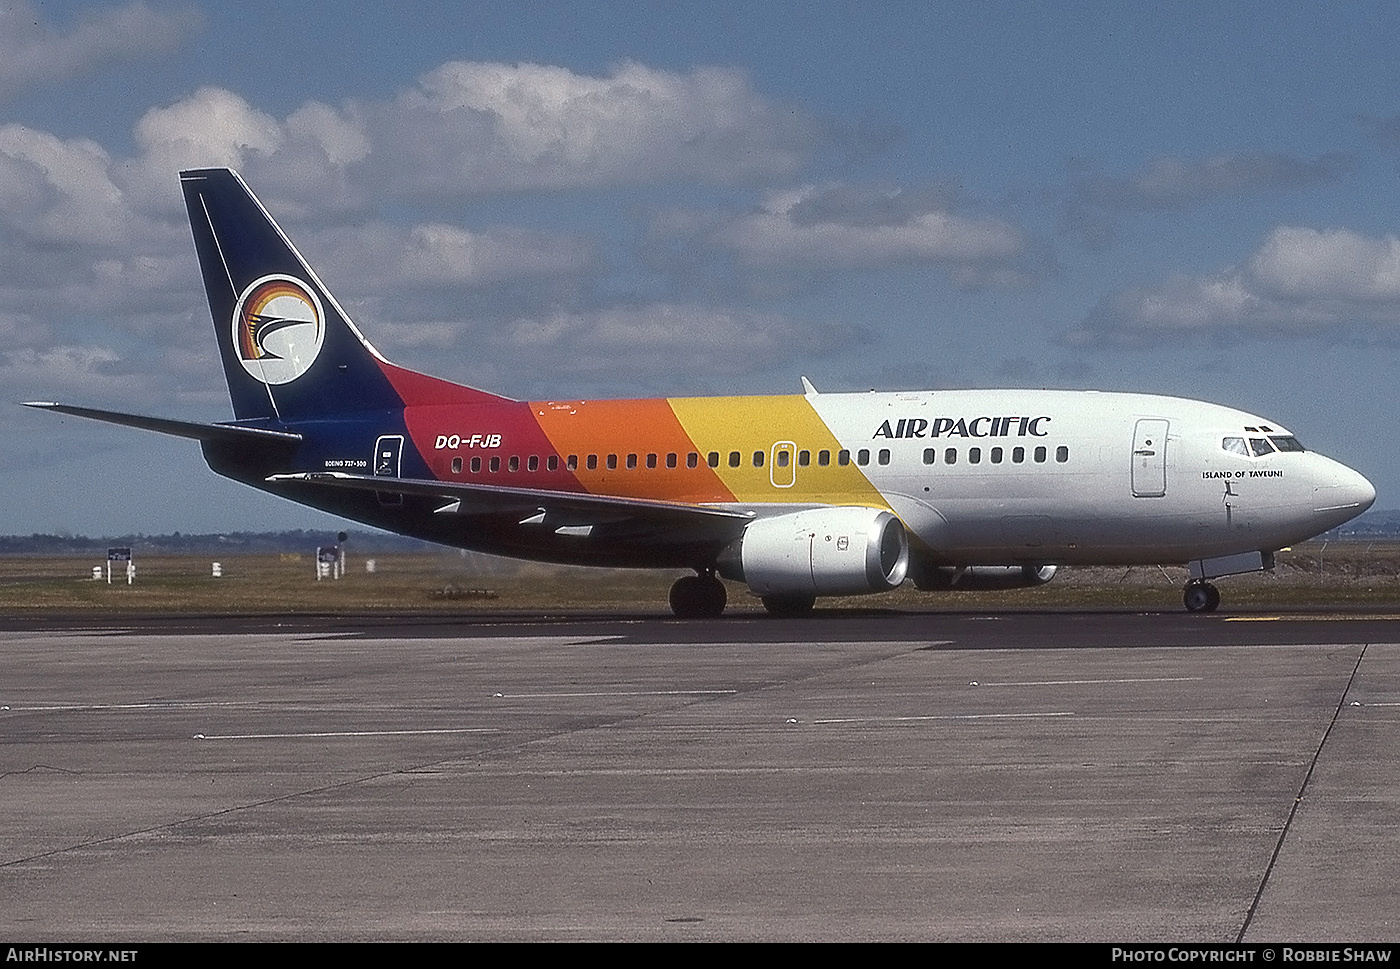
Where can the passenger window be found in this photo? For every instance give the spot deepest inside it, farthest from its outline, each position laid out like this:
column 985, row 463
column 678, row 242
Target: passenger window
column 930, row 455
column 996, row 455
column 514, row 464
column 823, row 458
column 551, row 463
column 631, row 461
column 612, row 462
column 476, row 465
column 734, row 459
column 884, row 456
column 974, row 455
column 572, row 463
column 713, row 459
column 1018, row 455
column 495, row 465
column 784, row 458
column 592, row 462
column 758, row 459
column 692, row 460
column 1040, row 455
column 1062, row 454
column 456, row 465
column 843, row 457
column 533, row 464
column 804, row 458
column 863, row 457
column 671, row 460
column 651, row 460
column 950, row 456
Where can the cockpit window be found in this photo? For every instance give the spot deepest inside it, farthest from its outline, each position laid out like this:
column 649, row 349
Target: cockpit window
column 1235, row 445
column 1286, row 442
column 1260, row 447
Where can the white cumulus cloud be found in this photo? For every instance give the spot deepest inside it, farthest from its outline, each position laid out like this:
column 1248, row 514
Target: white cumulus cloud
column 1299, row 282
column 59, row 191
column 813, row 229
column 381, row 256
column 471, row 127
column 33, row 53
column 1303, row 263
column 825, row 227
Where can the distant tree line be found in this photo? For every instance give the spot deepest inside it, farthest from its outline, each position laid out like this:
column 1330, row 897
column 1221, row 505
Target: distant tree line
column 227, row 543
column 1373, row 524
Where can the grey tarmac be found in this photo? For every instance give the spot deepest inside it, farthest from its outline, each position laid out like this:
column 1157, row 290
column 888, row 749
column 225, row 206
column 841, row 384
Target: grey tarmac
column 1090, row 776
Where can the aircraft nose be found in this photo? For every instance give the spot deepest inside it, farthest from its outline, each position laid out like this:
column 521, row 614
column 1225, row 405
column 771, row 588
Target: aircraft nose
column 1344, row 491
column 1365, row 493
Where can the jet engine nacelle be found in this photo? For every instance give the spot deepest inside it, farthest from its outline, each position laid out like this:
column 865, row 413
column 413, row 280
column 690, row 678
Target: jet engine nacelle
column 978, row 577
column 820, row 552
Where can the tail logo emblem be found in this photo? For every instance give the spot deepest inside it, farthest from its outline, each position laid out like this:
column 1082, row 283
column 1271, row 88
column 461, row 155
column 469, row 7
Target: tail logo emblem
column 278, row 329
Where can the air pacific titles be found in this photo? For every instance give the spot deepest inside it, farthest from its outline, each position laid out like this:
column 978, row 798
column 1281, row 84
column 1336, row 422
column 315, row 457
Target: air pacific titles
column 919, row 427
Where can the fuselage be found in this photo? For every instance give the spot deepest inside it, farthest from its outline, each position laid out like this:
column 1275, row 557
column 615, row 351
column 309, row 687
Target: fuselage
column 795, row 496
column 977, row 477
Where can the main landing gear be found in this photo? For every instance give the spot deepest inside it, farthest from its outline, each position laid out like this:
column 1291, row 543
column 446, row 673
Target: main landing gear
column 1201, row 596
column 789, row 606
column 698, row 596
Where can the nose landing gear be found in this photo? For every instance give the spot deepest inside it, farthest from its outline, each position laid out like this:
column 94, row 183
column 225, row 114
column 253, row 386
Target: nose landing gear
column 1201, row 596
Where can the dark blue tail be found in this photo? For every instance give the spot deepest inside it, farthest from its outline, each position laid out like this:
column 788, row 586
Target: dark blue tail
column 289, row 351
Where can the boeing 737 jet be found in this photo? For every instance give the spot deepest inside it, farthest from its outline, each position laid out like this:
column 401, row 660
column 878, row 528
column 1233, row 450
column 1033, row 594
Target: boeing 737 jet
column 795, row 496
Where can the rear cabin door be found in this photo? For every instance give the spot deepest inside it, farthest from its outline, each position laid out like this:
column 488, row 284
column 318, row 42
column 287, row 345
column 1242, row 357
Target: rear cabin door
column 388, row 455
column 1150, row 458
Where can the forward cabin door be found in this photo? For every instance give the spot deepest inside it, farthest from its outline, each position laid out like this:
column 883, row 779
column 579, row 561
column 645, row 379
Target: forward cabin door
column 1150, row 458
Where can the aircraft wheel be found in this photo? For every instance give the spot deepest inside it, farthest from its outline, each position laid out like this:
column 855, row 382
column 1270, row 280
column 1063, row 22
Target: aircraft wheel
column 1201, row 597
column 698, row 597
column 789, row 605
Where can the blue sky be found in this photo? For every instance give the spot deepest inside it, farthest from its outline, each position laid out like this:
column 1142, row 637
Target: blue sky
column 630, row 199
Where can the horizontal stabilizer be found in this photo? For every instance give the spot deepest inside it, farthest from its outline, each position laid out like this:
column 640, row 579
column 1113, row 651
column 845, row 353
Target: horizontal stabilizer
column 164, row 425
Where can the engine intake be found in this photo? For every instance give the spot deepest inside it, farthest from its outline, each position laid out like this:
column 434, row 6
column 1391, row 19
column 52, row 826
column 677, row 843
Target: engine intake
column 820, row 552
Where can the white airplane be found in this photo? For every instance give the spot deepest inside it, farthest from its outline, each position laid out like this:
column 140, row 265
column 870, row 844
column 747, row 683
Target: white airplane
column 796, row 496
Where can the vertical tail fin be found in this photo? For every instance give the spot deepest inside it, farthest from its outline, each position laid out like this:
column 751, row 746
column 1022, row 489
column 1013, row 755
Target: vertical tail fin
column 290, row 352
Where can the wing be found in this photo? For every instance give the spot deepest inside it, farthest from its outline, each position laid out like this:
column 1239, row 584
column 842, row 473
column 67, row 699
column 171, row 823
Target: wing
column 563, row 511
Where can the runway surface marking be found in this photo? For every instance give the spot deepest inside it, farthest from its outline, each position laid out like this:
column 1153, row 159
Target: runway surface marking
column 343, row 733
column 157, row 705
column 1349, row 617
column 951, row 716
column 1144, row 679
column 537, row 696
